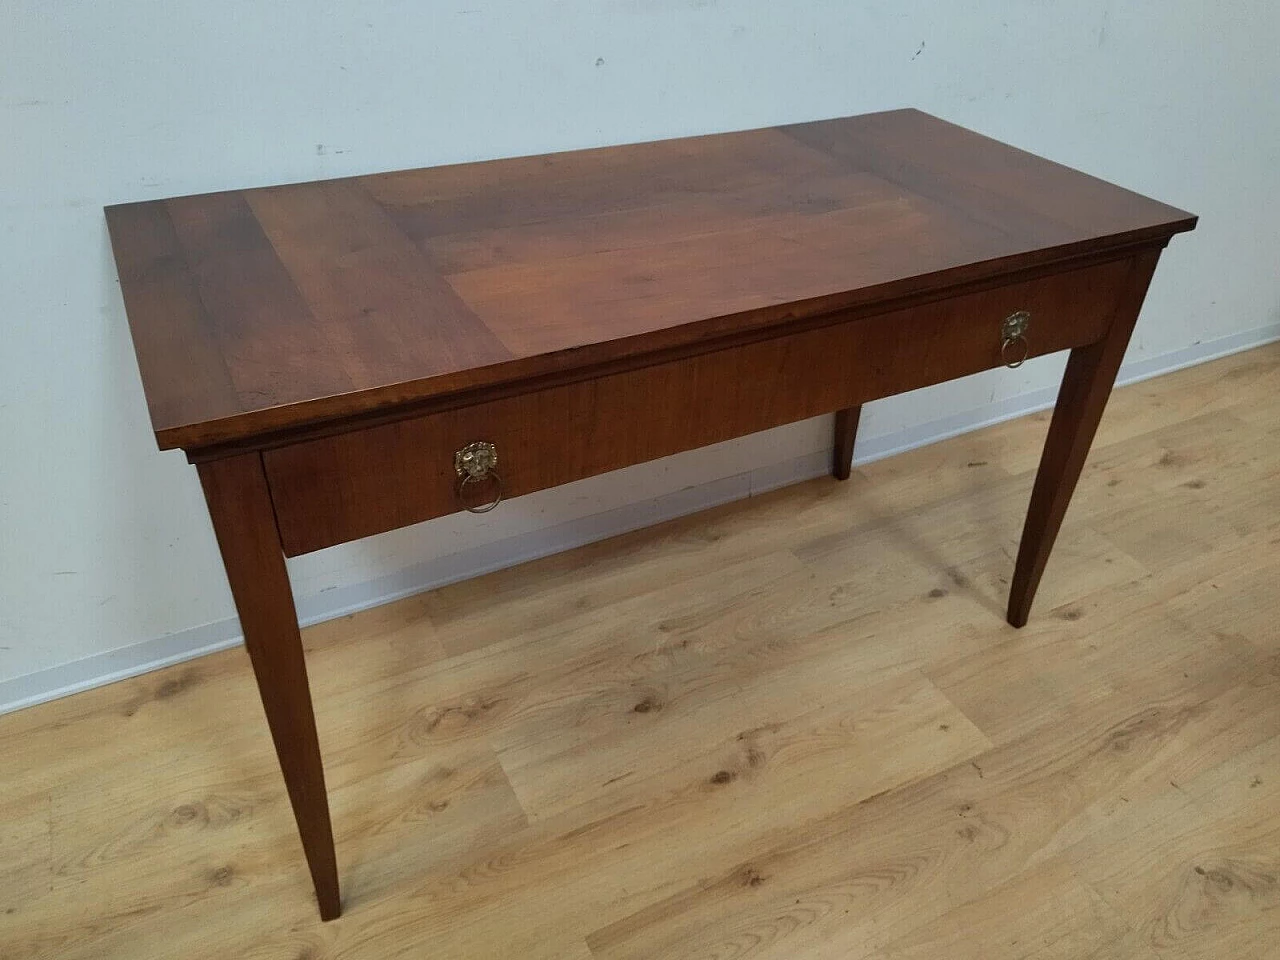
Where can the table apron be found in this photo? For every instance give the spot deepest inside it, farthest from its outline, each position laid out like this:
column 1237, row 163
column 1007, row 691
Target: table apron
column 377, row 478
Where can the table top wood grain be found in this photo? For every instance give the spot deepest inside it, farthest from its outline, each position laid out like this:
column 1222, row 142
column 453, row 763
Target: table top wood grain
column 257, row 311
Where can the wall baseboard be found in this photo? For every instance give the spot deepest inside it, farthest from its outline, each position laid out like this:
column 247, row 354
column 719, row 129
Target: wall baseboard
column 103, row 668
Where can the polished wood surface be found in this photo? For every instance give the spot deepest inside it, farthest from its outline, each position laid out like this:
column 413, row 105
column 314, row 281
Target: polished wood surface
column 240, row 508
column 363, row 482
column 1086, row 387
column 269, row 309
column 791, row 728
column 846, row 434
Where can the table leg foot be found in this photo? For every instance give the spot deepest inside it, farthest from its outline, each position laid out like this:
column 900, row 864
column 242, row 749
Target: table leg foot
column 1086, row 386
column 846, row 432
column 244, row 522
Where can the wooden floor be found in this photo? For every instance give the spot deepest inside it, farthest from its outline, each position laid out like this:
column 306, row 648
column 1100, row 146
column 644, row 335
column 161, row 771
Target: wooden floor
column 795, row 727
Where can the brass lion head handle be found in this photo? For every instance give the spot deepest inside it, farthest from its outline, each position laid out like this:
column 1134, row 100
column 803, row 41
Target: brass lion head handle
column 1014, row 348
column 476, row 464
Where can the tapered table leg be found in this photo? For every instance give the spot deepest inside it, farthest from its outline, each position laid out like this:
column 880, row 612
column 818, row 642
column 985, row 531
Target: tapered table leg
column 846, row 432
column 244, row 522
column 1086, row 386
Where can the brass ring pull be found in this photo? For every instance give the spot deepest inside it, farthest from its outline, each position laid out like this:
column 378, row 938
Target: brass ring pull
column 475, row 463
column 484, row 507
column 1013, row 334
column 1021, row 357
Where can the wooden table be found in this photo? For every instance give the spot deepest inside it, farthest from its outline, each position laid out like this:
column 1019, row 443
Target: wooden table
column 347, row 357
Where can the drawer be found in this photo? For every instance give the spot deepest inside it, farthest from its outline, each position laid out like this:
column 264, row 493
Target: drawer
column 365, row 481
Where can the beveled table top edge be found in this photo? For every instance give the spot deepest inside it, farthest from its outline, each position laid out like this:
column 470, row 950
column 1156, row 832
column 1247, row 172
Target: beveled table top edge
column 276, row 426
column 269, row 425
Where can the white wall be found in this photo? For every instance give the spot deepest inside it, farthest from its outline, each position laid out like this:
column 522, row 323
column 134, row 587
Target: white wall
column 104, row 542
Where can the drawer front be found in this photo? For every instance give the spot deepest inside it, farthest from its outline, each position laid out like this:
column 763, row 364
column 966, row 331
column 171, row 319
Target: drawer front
column 338, row 488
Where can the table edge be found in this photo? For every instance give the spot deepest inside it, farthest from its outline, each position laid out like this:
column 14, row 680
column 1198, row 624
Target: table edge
column 287, row 423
